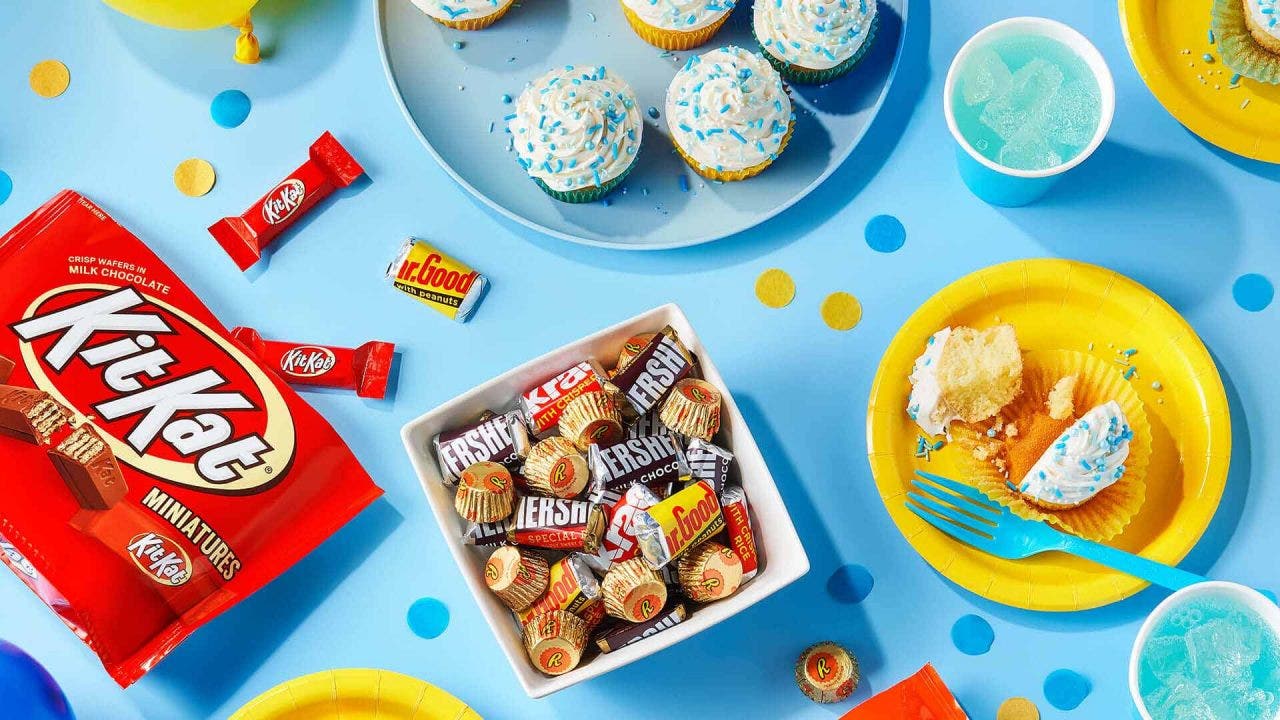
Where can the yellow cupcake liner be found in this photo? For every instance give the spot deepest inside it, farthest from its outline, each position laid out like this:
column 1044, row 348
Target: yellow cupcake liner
column 478, row 23
column 1240, row 50
column 1103, row 516
column 671, row 39
column 711, row 173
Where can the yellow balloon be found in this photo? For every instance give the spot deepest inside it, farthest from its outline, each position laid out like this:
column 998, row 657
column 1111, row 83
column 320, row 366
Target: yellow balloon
column 185, row 14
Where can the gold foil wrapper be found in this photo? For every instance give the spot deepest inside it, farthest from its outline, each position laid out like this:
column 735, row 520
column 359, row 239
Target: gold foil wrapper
column 555, row 641
column 827, row 673
column 556, row 467
column 693, row 409
column 631, row 347
column 517, row 577
column 1106, row 514
column 709, row 572
column 485, row 493
column 592, row 418
column 633, row 591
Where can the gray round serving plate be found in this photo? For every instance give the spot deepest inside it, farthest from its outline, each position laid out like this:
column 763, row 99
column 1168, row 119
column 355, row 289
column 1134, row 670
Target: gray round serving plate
column 453, row 101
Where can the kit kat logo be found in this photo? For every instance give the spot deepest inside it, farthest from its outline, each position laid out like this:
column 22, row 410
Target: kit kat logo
column 283, row 201
column 173, row 398
column 307, row 361
column 162, row 559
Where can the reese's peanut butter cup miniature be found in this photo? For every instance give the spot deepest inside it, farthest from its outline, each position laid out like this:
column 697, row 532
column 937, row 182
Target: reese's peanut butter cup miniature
column 633, row 591
column 709, row 462
column 737, row 524
column 654, row 371
column 437, row 280
column 571, row 587
column 516, row 576
column 499, row 438
column 826, row 672
column 555, row 641
column 485, row 493
column 626, row 634
column 693, row 409
column 656, row 461
column 675, row 525
column 556, row 467
column 710, row 572
column 557, row 524
column 592, row 418
column 631, row 347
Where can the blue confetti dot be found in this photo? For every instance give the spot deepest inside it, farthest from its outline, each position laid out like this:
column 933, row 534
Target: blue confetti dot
column 230, row 108
column 1066, row 689
column 428, row 617
column 850, row 584
column 1253, row 292
column 885, row 233
column 972, row 635
column 6, row 187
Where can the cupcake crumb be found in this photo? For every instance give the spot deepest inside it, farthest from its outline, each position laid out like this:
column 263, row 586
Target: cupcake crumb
column 1060, row 403
column 1011, row 430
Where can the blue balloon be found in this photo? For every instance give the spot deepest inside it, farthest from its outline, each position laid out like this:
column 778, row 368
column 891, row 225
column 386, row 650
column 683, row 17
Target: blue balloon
column 28, row 690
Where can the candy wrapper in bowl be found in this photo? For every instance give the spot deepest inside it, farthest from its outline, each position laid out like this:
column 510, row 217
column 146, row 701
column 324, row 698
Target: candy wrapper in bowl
column 782, row 556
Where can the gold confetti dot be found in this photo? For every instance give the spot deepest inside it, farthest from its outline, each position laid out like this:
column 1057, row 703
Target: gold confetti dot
column 775, row 288
column 1018, row 709
column 841, row 311
column 49, row 78
column 194, row 177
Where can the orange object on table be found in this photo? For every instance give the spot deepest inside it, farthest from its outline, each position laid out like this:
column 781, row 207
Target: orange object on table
column 922, row 696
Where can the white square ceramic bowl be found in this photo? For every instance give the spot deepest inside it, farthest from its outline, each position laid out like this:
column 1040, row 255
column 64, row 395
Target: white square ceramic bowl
column 783, row 559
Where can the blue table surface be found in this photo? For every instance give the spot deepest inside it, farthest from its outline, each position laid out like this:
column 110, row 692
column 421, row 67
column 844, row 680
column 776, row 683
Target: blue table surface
column 1155, row 203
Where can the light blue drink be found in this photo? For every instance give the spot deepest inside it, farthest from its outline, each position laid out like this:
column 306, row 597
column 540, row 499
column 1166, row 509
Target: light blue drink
column 1211, row 658
column 1027, row 102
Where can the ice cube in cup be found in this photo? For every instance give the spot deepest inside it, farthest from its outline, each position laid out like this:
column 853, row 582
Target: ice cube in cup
column 1028, row 149
column 1034, row 85
column 1071, row 116
column 985, row 77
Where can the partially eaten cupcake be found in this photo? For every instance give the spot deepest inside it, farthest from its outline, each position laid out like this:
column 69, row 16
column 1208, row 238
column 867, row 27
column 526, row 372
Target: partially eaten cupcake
column 964, row 375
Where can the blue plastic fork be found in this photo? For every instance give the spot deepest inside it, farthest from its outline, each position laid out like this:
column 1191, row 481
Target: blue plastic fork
column 967, row 515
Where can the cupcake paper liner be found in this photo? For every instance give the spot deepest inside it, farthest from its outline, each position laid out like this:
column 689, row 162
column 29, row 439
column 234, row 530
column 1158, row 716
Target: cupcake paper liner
column 711, row 173
column 809, row 76
column 479, row 23
column 1106, row 514
column 1238, row 48
column 668, row 39
column 586, row 194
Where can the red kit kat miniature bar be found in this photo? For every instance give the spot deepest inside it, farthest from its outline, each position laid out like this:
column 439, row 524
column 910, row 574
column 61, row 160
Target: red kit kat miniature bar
column 329, row 167
column 364, row 369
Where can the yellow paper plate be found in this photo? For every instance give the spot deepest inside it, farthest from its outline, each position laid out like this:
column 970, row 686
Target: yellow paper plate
column 1061, row 304
column 1157, row 32
column 355, row 694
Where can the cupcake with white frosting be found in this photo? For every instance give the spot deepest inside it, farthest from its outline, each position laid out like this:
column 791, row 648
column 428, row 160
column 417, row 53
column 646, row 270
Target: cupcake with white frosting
column 465, row 14
column 1085, row 460
column 676, row 24
column 729, row 113
column 576, row 131
column 1260, row 16
column 814, row 41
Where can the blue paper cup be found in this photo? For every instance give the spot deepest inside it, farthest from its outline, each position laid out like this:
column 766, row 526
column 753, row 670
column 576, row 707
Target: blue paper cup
column 1008, row 187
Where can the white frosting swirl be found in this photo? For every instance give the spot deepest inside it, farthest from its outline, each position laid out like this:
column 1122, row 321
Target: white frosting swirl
column 1265, row 15
column 458, row 10
column 683, row 15
column 727, row 109
column 925, row 404
column 576, row 127
column 1088, row 458
column 814, row 34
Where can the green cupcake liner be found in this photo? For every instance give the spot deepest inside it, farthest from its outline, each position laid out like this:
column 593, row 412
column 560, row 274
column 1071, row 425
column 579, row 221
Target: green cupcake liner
column 586, row 194
column 1236, row 46
column 808, row 76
